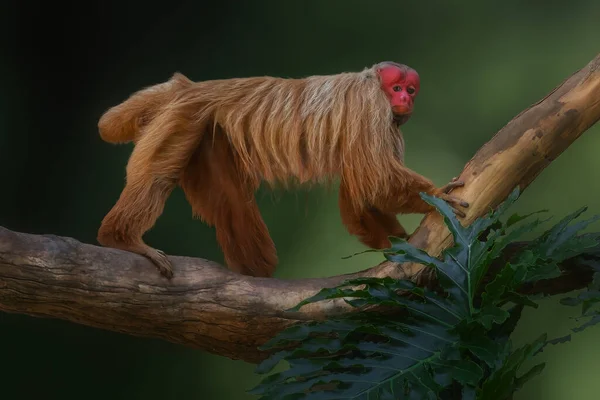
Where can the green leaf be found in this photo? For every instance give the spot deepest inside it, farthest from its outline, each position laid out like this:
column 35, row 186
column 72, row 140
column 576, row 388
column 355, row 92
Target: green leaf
column 501, row 333
column 549, row 270
column 483, row 348
column 560, row 242
column 589, row 295
column 558, row 340
column 518, row 298
column 502, row 239
column 301, row 332
column 469, row 393
column 464, row 371
column 593, row 321
column 490, row 315
column 533, row 372
column 503, row 381
column 509, row 276
column 513, row 219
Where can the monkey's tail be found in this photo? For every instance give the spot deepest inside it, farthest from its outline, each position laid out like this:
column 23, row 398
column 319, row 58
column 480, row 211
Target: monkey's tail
column 122, row 123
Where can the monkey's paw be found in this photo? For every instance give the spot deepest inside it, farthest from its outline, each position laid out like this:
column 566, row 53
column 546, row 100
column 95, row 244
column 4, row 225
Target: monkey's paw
column 454, row 183
column 454, row 202
column 160, row 259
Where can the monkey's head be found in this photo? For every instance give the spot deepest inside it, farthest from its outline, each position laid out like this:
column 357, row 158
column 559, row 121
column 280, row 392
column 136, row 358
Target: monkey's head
column 401, row 85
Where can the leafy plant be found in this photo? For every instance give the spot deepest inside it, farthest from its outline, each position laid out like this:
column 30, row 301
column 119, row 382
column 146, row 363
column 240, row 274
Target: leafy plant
column 588, row 299
column 421, row 343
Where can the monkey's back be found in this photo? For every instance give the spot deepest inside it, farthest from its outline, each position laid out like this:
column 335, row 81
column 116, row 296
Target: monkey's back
column 307, row 130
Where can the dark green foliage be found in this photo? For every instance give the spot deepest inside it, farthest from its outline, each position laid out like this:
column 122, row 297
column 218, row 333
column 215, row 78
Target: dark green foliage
column 589, row 299
column 448, row 343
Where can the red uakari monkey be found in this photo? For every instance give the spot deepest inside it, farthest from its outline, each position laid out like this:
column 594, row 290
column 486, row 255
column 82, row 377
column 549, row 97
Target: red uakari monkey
column 219, row 139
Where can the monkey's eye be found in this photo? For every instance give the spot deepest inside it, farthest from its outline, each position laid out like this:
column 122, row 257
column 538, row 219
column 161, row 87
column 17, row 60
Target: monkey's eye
column 396, row 88
column 410, row 90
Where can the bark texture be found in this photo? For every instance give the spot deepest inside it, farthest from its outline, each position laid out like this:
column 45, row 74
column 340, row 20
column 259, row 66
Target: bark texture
column 209, row 307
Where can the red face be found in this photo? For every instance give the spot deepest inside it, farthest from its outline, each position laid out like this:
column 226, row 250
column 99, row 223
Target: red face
column 401, row 85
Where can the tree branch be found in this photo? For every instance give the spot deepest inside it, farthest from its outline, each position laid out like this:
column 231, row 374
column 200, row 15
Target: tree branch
column 209, row 307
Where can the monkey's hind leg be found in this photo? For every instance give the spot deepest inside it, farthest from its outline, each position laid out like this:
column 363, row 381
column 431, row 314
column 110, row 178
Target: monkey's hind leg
column 153, row 170
column 221, row 198
column 138, row 207
column 245, row 240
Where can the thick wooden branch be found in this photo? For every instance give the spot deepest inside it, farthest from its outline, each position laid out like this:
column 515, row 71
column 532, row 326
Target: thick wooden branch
column 206, row 306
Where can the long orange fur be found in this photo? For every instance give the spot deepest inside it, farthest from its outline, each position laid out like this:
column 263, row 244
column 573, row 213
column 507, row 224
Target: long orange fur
column 219, row 139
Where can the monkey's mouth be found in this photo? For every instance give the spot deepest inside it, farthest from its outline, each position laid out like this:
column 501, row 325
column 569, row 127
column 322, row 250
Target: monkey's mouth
column 401, row 119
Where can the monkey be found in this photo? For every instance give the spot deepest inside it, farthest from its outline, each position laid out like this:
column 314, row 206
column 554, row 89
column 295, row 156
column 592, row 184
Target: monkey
column 219, row 139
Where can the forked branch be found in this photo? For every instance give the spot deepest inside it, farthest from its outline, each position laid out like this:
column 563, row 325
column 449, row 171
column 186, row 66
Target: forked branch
column 209, row 307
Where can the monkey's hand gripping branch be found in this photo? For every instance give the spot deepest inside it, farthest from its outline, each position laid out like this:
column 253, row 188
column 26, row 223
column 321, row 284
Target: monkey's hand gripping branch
column 455, row 202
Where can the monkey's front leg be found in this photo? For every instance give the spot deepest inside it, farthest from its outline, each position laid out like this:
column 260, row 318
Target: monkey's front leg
column 371, row 225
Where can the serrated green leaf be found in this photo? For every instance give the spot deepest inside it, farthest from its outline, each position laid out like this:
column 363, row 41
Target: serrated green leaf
column 501, row 333
column 328, row 294
column 560, row 241
column 533, row 372
column 518, row 298
column 570, row 301
column 499, row 243
column 454, row 280
column 588, row 304
column 481, row 224
column 548, row 270
column 483, row 348
column 469, row 393
column 503, row 381
column 459, row 233
column 558, row 340
column 595, row 320
column 592, row 294
column 490, row 315
column 495, row 289
column 268, row 364
column 301, row 332
column 402, row 251
column 465, row 372
column 513, row 219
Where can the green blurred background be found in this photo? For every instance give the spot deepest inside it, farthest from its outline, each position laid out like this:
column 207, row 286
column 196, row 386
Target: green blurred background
column 64, row 63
